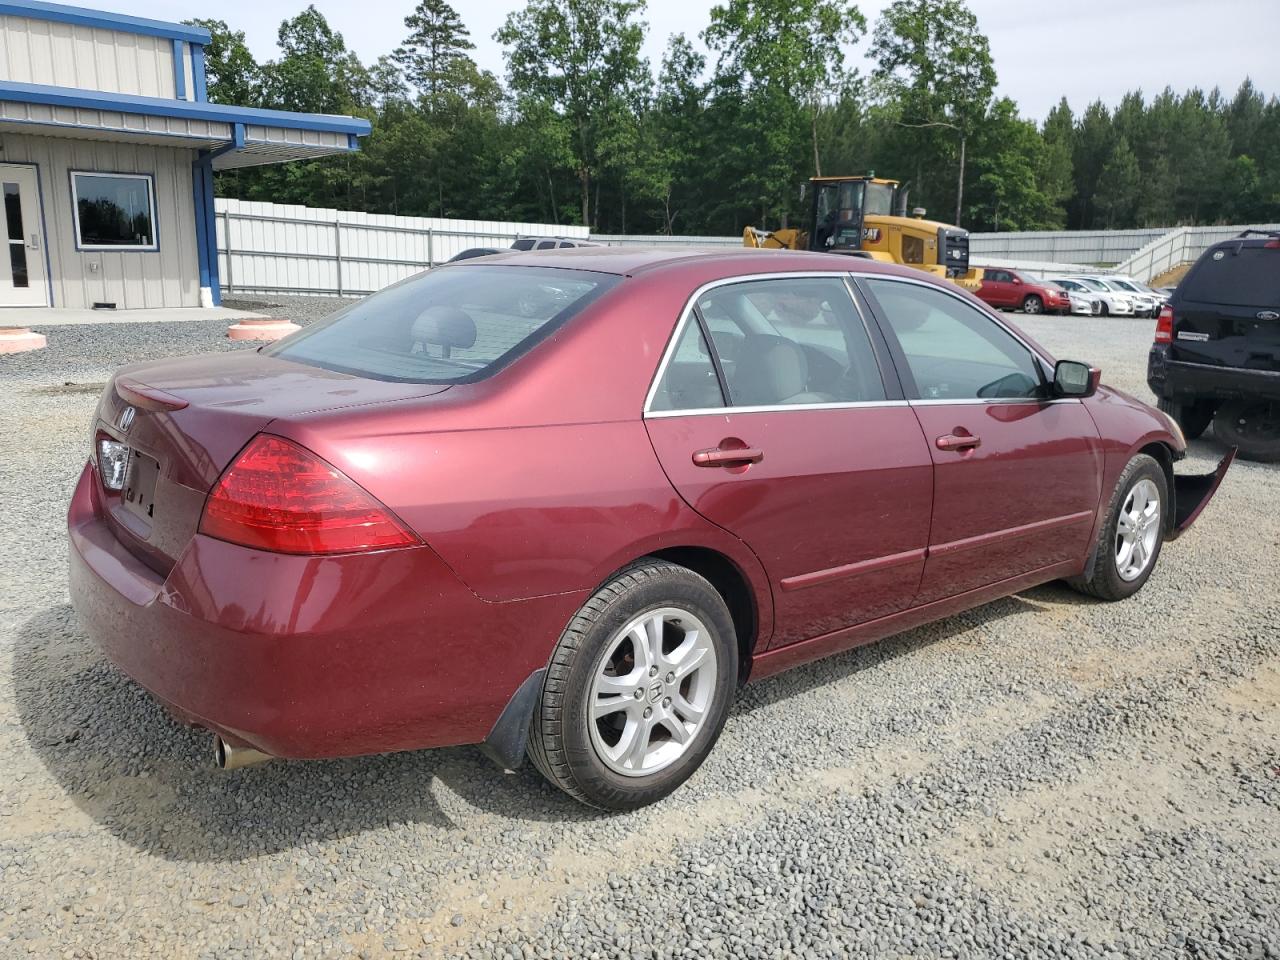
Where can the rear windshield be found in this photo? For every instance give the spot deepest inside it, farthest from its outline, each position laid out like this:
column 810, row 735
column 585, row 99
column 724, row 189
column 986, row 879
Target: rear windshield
column 1242, row 276
column 450, row 325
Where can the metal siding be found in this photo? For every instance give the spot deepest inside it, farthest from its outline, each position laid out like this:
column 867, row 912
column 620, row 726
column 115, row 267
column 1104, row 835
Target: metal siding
column 168, row 277
column 86, row 58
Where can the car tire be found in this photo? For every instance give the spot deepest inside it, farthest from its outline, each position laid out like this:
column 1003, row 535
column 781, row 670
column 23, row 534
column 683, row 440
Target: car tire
column 1033, row 304
column 1105, row 311
column 1253, row 426
column 1193, row 418
column 598, row 687
column 1112, row 572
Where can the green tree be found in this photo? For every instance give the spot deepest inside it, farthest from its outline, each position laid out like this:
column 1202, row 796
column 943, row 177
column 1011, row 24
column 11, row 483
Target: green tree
column 234, row 77
column 580, row 58
column 1116, row 197
column 935, row 63
column 434, row 55
column 791, row 51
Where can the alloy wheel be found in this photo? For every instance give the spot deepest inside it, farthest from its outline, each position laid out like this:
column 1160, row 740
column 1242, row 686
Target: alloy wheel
column 652, row 691
column 1137, row 530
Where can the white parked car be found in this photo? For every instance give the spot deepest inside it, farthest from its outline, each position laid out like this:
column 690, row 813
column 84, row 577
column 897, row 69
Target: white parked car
column 1115, row 302
column 1083, row 299
column 1141, row 289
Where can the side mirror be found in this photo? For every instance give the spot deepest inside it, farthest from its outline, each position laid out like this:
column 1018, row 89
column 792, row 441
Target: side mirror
column 1017, row 280
column 1071, row 378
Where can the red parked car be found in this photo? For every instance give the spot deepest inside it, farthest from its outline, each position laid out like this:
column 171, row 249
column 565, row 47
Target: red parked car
column 1010, row 290
column 568, row 501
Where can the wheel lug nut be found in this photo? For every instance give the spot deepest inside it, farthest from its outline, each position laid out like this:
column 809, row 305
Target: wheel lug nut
column 653, row 671
column 648, row 712
column 671, row 678
column 666, row 702
column 639, row 694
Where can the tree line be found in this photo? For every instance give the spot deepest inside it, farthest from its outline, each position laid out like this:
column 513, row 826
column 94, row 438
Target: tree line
column 582, row 129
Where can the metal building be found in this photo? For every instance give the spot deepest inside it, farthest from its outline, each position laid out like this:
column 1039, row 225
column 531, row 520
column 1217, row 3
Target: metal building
column 108, row 145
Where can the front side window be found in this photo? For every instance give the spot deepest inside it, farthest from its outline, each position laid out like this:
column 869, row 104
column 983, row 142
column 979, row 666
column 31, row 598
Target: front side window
column 793, row 340
column 450, row 325
column 953, row 350
column 114, row 211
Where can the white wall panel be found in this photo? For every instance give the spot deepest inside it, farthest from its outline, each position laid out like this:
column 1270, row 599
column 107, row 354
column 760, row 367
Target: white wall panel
column 88, row 58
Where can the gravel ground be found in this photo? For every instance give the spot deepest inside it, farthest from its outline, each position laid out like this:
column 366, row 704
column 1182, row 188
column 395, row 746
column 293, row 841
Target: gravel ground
column 1046, row 776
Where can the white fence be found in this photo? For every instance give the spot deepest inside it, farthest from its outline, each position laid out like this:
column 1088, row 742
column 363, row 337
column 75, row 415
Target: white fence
column 266, row 248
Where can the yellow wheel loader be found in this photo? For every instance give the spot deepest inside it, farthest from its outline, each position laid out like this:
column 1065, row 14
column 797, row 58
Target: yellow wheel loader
column 866, row 216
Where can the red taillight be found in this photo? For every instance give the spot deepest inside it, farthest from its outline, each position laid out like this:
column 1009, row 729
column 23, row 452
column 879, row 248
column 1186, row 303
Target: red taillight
column 1164, row 325
column 278, row 496
column 1272, row 244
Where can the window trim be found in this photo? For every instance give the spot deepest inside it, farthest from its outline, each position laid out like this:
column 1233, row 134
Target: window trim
column 1043, row 364
column 690, row 311
column 150, row 179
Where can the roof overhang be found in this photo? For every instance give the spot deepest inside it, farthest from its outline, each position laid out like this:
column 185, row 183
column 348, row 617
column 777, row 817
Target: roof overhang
column 240, row 136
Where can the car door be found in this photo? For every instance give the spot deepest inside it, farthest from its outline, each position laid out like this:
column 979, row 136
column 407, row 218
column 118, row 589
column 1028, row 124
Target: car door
column 771, row 417
column 992, row 289
column 1017, row 476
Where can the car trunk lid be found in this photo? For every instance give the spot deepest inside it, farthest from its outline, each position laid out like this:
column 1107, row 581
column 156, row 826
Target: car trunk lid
column 184, row 420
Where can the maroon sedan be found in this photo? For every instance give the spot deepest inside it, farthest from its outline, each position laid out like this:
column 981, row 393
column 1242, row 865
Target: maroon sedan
column 567, row 502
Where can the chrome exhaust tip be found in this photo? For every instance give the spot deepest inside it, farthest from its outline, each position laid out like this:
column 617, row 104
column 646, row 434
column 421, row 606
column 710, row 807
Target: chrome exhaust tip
column 227, row 756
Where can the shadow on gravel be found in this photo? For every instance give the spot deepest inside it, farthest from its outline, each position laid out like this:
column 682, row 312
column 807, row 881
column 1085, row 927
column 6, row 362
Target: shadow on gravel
column 150, row 781
column 820, row 673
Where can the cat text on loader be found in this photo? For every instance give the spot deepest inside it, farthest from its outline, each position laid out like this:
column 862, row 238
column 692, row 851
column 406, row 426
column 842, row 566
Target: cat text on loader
column 867, row 216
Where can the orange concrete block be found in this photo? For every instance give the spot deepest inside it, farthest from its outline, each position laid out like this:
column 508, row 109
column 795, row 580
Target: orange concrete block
column 20, row 340
column 261, row 329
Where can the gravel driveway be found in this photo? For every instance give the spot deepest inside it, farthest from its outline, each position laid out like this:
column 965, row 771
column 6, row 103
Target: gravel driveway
column 1045, row 776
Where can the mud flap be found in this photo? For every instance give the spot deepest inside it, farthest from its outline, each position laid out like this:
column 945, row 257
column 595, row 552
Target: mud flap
column 506, row 741
column 1192, row 493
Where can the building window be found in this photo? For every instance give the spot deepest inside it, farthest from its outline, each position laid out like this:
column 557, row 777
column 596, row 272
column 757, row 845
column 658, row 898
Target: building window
column 114, row 211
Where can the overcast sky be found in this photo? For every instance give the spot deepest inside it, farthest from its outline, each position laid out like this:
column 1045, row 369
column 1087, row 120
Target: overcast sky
column 1043, row 49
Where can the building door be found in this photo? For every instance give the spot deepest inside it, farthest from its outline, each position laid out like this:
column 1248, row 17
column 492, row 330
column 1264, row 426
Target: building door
column 22, row 266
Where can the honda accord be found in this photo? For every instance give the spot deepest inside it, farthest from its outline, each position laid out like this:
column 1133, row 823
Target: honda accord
column 565, row 503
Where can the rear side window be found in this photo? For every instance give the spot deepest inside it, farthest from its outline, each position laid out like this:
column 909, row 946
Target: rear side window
column 1235, row 274
column 791, row 341
column 450, row 325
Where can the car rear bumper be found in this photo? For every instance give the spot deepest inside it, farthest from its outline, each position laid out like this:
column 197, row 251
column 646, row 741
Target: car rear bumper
column 307, row 656
column 1178, row 380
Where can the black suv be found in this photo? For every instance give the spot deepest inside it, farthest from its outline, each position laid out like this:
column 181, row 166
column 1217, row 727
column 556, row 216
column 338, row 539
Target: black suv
column 1217, row 352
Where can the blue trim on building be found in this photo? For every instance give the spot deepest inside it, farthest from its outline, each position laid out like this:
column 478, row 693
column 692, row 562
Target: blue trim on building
column 179, row 69
column 198, row 79
column 60, row 13
column 206, row 217
column 198, row 197
column 183, row 109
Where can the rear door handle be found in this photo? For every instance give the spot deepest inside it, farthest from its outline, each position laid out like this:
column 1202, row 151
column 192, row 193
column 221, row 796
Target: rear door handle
column 952, row 441
column 719, row 457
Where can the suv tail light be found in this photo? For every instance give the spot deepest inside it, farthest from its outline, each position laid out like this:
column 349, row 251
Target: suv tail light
column 1164, row 325
column 281, row 497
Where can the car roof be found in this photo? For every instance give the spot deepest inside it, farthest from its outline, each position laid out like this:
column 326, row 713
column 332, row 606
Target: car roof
column 637, row 260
